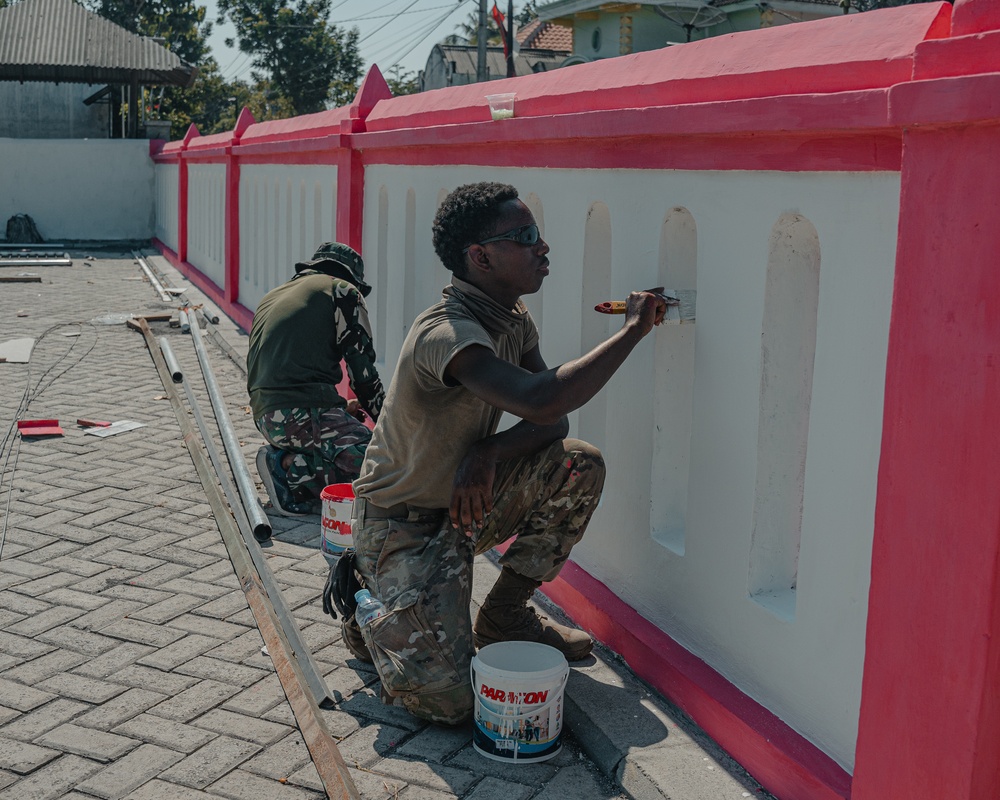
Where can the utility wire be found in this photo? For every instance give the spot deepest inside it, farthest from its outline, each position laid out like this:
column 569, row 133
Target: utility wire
column 398, row 13
column 369, row 35
column 377, row 8
column 247, row 67
column 27, row 397
column 393, row 39
column 234, row 66
column 421, row 39
column 410, row 42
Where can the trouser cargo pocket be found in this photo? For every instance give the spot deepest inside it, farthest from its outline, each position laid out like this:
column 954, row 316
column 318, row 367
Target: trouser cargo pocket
column 421, row 571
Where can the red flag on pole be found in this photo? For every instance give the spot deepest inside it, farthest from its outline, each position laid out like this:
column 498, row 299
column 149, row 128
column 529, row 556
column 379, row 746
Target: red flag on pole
column 499, row 19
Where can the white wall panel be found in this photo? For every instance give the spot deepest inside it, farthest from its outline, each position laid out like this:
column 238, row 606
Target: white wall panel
column 86, row 189
column 286, row 212
column 207, row 220
column 805, row 665
column 167, row 186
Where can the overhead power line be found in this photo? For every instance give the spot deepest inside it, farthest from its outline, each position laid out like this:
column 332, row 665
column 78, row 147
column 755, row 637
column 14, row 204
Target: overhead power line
column 398, row 14
column 410, row 43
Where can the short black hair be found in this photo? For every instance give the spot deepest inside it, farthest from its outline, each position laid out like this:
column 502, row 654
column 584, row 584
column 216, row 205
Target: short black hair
column 467, row 215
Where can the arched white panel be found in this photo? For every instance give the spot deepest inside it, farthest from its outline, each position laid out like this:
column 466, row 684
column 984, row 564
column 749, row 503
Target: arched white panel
column 787, row 357
column 381, row 283
column 673, row 387
column 595, row 328
column 534, row 302
column 409, row 261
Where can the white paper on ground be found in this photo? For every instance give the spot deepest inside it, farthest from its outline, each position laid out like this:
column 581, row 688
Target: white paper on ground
column 16, row 351
column 120, row 426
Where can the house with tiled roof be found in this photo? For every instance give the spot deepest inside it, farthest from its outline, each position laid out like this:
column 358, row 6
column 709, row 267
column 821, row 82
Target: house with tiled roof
column 545, row 35
column 544, row 45
column 604, row 30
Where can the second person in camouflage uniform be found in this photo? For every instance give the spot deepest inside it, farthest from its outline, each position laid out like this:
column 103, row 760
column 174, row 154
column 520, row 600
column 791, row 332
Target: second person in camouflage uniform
column 301, row 331
column 439, row 483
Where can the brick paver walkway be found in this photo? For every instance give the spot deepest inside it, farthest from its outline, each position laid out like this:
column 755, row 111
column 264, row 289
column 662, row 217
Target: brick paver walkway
column 130, row 663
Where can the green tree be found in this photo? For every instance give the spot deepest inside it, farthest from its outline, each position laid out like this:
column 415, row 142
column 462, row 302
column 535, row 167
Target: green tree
column 303, row 58
column 402, row 81
column 468, row 30
column 180, row 24
column 182, row 27
column 527, row 14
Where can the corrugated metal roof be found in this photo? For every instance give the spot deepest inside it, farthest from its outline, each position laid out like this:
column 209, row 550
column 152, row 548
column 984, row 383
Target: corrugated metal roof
column 528, row 61
column 60, row 41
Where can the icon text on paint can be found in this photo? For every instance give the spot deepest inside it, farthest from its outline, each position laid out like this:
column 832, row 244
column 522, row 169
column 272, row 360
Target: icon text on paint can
column 518, row 698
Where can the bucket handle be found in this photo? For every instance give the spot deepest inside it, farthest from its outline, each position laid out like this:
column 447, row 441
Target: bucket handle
column 537, row 709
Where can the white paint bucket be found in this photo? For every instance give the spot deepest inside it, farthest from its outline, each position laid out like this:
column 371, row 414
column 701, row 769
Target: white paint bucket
column 519, row 701
column 338, row 500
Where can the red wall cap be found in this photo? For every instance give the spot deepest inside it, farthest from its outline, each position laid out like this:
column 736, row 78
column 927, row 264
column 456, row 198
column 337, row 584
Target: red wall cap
column 307, row 126
column 214, row 141
column 243, row 122
column 963, row 55
column 947, row 101
column 373, row 89
column 845, row 53
column 975, row 16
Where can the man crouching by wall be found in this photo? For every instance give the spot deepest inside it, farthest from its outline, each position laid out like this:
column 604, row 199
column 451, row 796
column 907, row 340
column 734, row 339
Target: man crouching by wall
column 301, row 331
column 439, row 485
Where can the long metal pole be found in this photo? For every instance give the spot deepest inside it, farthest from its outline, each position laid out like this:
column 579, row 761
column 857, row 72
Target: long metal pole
column 481, row 73
column 168, row 355
column 303, row 655
column 164, row 295
column 326, row 757
column 260, row 522
column 511, row 69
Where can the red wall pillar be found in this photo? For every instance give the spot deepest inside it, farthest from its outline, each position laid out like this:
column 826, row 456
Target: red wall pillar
column 350, row 196
column 930, row 707
column 182, row 194
column 232, row 235
column 350, row 166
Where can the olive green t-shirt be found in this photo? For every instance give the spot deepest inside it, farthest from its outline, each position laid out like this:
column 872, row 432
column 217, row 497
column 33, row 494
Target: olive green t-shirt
column 427, row 426
column 301, row 331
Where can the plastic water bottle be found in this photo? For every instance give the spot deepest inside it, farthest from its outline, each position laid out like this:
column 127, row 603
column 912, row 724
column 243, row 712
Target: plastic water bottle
column 369, row 608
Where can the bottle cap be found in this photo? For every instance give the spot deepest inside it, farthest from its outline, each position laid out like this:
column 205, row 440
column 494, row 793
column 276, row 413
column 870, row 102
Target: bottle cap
column 362, row 594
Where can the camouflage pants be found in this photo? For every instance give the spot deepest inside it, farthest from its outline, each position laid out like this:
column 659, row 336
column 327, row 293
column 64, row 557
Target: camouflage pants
column 421, row 568
column 328, row 446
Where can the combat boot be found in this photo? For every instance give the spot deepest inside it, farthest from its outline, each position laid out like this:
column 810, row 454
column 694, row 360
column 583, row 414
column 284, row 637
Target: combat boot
column 506, row 617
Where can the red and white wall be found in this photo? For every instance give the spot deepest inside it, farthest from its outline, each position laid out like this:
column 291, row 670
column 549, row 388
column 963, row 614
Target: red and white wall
column 799, row 541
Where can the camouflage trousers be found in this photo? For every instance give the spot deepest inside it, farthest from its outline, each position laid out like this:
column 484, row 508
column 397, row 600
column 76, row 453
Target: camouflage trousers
column 421, row 569
column 328, row 446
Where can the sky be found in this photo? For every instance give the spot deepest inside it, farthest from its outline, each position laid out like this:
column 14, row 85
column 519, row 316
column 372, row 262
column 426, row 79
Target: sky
column 392, row 32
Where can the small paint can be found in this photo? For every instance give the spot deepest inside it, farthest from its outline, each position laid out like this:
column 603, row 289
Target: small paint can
column 518, row 701
column 338, row 502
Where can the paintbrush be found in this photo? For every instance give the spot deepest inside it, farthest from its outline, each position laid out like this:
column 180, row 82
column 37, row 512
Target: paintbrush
column 680, row 306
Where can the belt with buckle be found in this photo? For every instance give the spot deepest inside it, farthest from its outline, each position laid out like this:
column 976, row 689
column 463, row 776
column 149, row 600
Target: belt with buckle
column 365, row 509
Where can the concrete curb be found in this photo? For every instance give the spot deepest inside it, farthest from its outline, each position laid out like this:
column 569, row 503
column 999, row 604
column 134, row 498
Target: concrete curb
column 651, row 749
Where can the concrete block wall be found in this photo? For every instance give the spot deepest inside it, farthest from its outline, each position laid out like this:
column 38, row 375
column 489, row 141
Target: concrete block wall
column 79, row 189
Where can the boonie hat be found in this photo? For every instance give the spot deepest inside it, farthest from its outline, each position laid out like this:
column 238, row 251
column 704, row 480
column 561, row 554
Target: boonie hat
column 341, row 254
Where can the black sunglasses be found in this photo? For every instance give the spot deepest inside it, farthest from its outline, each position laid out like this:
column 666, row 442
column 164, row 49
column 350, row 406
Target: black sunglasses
column 527, row 235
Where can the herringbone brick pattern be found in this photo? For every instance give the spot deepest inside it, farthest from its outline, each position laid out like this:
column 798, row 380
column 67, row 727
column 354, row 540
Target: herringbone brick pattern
column 130, row 663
